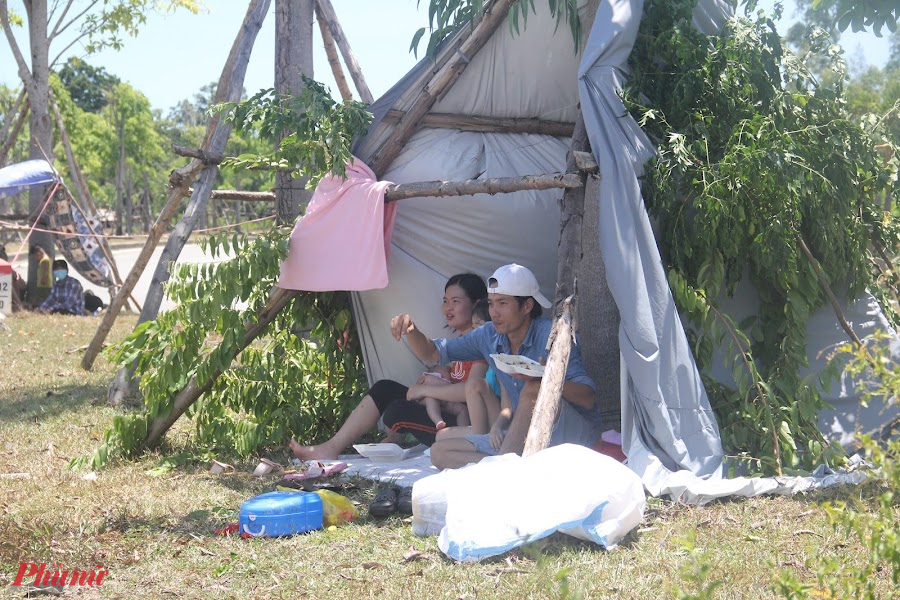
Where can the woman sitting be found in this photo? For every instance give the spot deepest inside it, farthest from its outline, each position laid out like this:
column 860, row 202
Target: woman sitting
column 398, row 407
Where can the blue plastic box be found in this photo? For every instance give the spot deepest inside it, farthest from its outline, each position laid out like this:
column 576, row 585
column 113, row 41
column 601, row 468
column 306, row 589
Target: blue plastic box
column 280, row 513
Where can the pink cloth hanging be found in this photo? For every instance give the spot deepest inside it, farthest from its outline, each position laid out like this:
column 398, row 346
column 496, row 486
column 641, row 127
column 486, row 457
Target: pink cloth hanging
column 343, row 241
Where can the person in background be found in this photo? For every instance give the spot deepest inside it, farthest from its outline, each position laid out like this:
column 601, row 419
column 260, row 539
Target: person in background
column 66, row 296
column 44, row 276
column 92, row 303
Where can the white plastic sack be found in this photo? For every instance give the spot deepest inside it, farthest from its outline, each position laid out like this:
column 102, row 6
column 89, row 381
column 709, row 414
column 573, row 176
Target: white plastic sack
column 507, row 501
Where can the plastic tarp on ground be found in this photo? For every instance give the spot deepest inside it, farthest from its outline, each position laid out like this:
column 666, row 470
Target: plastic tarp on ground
column 23, row 176
column 669, row 429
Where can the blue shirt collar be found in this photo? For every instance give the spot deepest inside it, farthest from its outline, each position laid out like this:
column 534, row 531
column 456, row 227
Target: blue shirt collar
column 504, row 347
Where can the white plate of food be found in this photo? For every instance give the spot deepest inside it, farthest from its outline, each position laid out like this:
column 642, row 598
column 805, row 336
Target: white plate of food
column 515, row 364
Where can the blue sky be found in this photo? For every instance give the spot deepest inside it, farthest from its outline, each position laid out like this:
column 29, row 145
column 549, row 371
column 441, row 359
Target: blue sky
column 176, row 54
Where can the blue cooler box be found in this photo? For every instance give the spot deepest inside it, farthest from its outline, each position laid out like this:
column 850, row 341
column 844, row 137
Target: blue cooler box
column 281, row 513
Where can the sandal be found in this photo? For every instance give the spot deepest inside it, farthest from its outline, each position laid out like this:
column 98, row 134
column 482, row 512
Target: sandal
column 385, row 503
column 404, row 501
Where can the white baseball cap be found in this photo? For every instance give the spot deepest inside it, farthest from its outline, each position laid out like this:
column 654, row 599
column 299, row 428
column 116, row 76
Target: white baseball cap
column 516, row 280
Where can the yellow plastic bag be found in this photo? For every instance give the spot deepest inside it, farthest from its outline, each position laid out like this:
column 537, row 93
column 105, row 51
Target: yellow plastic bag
column 336, row 509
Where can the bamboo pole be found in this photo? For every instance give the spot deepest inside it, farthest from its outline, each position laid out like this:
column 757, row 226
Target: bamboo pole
column 181, row 179
column 331, row 53
column 192, row 391
column 439, row 84
column 330, row 17
column 549, row 397
column 486, row 124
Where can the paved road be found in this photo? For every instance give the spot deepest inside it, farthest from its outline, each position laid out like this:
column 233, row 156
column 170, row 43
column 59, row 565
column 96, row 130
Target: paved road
column 125, row 259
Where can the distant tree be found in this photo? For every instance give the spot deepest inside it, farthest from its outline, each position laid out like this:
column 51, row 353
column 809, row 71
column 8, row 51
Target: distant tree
column 96, row 24
column 88, row 86
column 871, row 15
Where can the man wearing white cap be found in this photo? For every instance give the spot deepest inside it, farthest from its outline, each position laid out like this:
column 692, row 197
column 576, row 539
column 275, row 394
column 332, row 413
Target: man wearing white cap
column 516, row 327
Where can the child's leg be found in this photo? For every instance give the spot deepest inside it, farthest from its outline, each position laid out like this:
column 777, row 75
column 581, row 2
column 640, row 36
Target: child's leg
column 483, row 405
column 433, row 408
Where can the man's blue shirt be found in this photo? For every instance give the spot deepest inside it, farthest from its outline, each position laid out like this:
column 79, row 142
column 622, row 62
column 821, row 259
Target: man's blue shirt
column 484, row 341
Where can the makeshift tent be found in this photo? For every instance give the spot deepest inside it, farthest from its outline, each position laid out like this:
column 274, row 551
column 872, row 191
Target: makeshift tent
column 81, row 249
column 536, row 75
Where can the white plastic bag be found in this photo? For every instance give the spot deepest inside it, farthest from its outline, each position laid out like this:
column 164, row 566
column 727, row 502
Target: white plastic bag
column 506, row 501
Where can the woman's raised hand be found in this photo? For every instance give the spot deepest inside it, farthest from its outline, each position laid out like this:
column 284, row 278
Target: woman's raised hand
column 401, row 325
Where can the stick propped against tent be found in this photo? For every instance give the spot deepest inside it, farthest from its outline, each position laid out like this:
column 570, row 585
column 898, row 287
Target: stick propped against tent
column 232, row 81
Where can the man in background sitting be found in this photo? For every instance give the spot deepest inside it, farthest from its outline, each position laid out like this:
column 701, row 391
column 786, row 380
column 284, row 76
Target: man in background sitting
column 67, row 296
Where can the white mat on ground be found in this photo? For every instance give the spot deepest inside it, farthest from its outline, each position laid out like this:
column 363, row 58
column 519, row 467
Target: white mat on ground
column 403, row 473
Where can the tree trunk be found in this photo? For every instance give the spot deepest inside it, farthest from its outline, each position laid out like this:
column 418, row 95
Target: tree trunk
column 293, row 56
column 146, row 199
column 120, row 177
column 129, row 201
column 37, row 86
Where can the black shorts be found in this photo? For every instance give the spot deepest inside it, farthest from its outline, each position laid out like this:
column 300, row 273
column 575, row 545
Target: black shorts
column 404, row 416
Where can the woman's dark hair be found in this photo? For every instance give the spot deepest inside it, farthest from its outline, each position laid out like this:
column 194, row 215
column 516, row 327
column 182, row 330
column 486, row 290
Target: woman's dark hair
column 471, row 284
column 482, row 310
column 536, row 309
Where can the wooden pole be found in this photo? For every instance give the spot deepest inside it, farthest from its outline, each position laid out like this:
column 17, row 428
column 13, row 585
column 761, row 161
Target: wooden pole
column 468, row 187
column 486, row 124
column 497, row 185
column 192, row 392
column 331, row 53
column 326, row 10
column 180, row 180
column 549, row 397
column 446, row 76
column 571, row 216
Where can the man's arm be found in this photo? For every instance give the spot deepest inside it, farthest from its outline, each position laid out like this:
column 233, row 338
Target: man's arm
column 579, row 394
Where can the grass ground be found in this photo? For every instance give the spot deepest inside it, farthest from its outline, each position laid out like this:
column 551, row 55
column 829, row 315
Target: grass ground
column 156, row 533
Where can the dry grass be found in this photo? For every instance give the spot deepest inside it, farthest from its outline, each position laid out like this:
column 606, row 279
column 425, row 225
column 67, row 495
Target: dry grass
column 156, row 535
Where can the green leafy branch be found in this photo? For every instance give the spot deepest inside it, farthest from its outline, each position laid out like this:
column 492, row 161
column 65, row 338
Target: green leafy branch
column 292, row 380
column 754, row 156
column 312, row 131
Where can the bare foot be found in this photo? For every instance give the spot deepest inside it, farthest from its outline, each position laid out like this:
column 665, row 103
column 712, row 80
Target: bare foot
column 320, row 452
column 440, row 425
column 393, row 437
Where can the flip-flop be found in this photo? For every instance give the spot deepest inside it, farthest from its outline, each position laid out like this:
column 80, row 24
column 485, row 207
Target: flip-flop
column 385, row 503
column 310, row 469
column 404, row 501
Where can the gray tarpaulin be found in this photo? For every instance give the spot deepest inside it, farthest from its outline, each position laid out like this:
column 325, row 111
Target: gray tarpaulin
column 664, row 406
